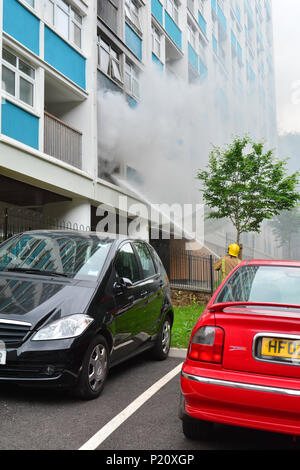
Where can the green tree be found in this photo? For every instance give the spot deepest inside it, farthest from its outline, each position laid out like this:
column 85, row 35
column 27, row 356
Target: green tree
column 246, row 185
column 285, row 226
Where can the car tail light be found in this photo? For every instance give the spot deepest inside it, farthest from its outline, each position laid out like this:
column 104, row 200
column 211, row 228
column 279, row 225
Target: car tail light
column 207, row 344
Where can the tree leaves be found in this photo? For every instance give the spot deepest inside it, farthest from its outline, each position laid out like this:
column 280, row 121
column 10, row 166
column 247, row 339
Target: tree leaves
column 247, row 185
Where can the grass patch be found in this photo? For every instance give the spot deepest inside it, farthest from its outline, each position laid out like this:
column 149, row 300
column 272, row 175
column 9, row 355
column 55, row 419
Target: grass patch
column 185, row 318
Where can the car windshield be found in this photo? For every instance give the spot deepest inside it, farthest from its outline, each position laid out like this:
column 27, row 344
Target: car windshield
column 70, row 255
column 273, row 284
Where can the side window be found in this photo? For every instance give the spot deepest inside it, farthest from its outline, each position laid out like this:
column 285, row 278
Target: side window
column 157, row 260
column 146, row 260
column 126, row 264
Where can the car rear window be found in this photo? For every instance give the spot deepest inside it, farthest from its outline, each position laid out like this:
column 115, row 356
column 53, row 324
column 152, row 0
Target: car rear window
column 254, row 283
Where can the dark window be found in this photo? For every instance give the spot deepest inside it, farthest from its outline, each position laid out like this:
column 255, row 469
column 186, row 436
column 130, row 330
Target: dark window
column 108, row 12
column 146, row 260
column 126, row 264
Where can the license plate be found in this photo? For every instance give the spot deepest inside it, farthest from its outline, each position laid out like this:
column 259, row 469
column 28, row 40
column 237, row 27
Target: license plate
column 2, row 357
column 281, row 348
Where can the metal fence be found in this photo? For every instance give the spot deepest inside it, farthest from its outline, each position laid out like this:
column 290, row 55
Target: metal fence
column 193, row 271
column 62, row 141
column 187, row 270
column 15, row 220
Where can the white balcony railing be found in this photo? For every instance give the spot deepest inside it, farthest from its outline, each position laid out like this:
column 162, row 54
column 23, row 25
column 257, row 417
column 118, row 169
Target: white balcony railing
column 62, row 141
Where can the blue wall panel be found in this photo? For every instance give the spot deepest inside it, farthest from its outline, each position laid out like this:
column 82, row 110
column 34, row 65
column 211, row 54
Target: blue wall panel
column 64, row 58
column 157, row 10
column 202, row 23
column 133, row 41
column 193, row 57
column 157, row 62
column 131, row 101
column 173, row 30
column 215, row 44
column 19, row 124
column 19, row 23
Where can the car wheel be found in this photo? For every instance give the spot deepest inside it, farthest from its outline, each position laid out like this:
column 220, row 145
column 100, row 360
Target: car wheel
column 94, row 370
column 196, row 429
column 162, row 343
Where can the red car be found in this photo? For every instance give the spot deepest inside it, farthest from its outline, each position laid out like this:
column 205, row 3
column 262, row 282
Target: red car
column 243, row 361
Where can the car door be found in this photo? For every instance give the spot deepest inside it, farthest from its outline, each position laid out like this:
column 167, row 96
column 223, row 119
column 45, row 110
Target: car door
column 151, row 289
column 128, row 301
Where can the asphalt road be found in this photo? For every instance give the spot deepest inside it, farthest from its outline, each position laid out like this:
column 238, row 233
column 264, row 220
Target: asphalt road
column 43, row 420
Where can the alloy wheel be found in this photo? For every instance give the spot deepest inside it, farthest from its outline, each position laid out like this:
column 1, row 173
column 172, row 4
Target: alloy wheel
column 97, row 367
column 166, row 337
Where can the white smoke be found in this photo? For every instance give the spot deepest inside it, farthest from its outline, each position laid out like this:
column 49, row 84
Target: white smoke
column 167, row 137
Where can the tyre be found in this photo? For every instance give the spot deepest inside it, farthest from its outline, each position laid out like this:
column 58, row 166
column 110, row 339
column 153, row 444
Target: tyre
column 196, row 429
column 94, row 370
column 162, row 343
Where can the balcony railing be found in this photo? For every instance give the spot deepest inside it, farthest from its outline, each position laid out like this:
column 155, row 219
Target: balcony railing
column 62, row 141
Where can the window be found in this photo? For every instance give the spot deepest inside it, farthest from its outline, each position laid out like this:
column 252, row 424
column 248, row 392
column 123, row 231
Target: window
column 172, row 9
column 80, row 256
column 109, row 60
column 201, row 5
column 132, row 85
column 30, row 2
column 18, row 77
column 191, row 33
column 126, row 264
column 257, row 283
column 65, row 19
column 132, row 13
column 156, row 42
column 191, row 6
column 146, row 260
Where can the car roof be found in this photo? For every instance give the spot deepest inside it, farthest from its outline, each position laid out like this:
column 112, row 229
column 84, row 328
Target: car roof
column 272, row 262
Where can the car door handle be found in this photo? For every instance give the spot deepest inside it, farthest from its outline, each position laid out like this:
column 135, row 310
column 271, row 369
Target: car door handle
column 144, row 293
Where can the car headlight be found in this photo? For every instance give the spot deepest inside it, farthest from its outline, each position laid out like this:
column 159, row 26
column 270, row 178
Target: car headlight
column 67, row 327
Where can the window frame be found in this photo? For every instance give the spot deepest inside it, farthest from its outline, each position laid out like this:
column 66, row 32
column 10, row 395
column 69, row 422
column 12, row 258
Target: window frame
column 173, row 11
column 128, row 242
column 192, row 36
column 70, row 11
column 26, row 2
column 19, row 74
column 134, row 78
column 144, row 245
column 112, row 59
column 133, row 16
column 156, row 38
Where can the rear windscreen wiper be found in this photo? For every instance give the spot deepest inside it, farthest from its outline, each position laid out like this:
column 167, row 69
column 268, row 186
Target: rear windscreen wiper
column 36, row 271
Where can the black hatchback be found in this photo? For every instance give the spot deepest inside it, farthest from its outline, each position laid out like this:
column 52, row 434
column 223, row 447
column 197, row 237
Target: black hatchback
column 73, row 304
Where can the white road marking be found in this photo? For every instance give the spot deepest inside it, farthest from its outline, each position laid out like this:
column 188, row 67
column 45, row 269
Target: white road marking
column 96, row 440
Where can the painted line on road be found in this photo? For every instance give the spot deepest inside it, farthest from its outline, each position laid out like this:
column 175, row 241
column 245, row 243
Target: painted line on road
column 96, row 440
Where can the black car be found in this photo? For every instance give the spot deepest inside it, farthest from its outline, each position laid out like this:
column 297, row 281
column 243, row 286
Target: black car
column 73, row 304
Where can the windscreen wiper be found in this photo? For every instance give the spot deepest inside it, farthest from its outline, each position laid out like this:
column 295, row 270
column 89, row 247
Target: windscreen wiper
column 36, row 271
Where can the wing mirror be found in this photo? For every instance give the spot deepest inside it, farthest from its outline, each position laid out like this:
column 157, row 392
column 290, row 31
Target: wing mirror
column 122, row 284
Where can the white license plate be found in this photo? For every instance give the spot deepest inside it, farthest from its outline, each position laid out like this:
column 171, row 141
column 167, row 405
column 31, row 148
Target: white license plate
column 2, row 357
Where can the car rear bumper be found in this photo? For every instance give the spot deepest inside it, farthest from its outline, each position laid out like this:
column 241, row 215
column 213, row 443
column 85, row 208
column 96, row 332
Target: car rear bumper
column 273, row 405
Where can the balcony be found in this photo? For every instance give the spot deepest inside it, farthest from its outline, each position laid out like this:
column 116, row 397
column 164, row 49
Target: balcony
column 64, row 107
column 62, row 141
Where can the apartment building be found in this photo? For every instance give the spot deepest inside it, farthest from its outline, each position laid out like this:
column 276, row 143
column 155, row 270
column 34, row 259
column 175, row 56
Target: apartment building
column 58, row 54
column 48, row 142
